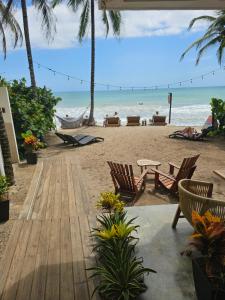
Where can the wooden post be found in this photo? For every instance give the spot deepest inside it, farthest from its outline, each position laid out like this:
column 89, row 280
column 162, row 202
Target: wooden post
column 170, row 99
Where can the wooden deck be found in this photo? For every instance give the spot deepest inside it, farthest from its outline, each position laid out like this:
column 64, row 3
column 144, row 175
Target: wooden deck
column 49, row 246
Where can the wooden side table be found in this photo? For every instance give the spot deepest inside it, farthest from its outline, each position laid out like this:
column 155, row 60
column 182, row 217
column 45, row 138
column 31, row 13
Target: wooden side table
column 145, row 163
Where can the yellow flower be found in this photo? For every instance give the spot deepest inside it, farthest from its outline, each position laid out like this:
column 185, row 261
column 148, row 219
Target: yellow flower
column 210, row 218
column 108, row 233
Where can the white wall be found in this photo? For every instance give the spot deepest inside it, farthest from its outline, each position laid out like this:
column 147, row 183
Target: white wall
column 2, row 172
column 7, row 116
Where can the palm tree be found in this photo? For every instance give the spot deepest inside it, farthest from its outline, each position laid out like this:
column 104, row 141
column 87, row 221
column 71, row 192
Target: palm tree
column 87, row 18
column 47, row 23
column 215, row 35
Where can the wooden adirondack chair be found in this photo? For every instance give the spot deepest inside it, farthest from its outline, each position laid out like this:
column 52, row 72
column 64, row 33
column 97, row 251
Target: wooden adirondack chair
column 126, row 184
column 170, row 180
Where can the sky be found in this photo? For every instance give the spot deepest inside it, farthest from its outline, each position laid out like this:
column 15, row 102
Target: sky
column 146, row 54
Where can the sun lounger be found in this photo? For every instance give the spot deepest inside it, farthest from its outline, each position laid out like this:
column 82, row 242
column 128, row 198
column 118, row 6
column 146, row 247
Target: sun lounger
column 158, row 120
column 133, row 121
column 112, row 122
column 79, row 140
column 192, row 136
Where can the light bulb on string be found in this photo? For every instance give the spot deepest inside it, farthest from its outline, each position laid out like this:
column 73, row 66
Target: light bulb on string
column 202, row 77
column 191, row 81
column 81, row 82
column 68, row 77
column 180, row 83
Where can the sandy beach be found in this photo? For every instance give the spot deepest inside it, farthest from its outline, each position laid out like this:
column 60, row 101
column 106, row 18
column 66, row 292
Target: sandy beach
column 127, row 145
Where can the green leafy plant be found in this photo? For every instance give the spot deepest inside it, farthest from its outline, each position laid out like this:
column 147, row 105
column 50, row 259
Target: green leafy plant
column 110, row 202
column 208, row 240
column 35, row 113
column 218, row 110
column 3, row 186
column 120, row 272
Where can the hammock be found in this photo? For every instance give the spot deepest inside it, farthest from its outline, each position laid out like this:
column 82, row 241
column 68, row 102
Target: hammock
column 71, row 122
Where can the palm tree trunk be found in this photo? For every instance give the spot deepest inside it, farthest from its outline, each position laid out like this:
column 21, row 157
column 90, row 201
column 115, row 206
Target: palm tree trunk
column 91, row 116
column 4, row 142
column 27, row 41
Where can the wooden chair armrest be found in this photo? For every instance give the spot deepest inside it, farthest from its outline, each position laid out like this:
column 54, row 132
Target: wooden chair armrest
column 163, row 174
column 143, row 175
column 174, row 165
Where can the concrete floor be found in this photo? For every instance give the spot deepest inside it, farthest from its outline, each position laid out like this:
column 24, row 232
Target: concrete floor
column 160, row 246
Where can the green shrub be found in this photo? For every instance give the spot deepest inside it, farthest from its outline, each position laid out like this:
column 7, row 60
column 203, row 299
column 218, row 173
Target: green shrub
column 218, row 110
column 120, row 272
column 3, row 186
column 35, row 113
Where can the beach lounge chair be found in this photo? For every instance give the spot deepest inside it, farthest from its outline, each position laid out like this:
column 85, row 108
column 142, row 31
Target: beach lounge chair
column 158, row 120
column 79, row 140
column 125, row 183
column 190, row 134
column 197, row 196
column 112, row 122
column 133, row 121
column 170, row 180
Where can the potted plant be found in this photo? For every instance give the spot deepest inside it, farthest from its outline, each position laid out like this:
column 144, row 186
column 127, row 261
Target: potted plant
column 207, row 249
column 31, row 145
column 4, row 201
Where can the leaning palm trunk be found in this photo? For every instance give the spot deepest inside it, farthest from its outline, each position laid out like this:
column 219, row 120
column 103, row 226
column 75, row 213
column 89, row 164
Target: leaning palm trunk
column 27, row 41
column 6, row 151
column 91, row 116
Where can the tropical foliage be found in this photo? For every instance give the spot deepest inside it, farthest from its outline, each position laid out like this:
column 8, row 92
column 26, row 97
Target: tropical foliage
column 3, row 186
column 110, row 202
column 218, row 110
column 215, row 35
column 29, row 112
column 120, row 271
column 209, row 240
column 31, row 142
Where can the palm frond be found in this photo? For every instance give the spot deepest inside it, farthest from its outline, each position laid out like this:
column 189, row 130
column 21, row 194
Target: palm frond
column 220, row 52
column 115, row 18
column 75, row 4
column 105, row 21
column 48, row 19
column 84, row 19
column 9, row 22
column 201, row 18
column 204, row 48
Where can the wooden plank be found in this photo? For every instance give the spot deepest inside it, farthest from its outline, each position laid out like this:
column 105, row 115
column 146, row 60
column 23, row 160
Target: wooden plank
column 34, row 185
column 9, row 253
column 17, row 264
column 66, row 264
column 40, row 274
column 64, row 187
column 58, row 192
column 53, row 272
column 28, row 269
column 40, row 214
column 51, row 194
column 71, row 192
column 77, row 252
column 76, row 183
column 81, row 291
column 34, row 209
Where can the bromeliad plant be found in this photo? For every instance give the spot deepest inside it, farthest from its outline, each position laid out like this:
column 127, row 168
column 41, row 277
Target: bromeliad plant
column 208, row 241
column 120, row 272
column 110, row 202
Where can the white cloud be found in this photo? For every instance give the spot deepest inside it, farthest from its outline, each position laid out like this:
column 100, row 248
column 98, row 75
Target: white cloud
column 135, row 24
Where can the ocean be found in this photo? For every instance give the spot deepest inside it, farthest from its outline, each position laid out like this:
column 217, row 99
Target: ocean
column 190, row 106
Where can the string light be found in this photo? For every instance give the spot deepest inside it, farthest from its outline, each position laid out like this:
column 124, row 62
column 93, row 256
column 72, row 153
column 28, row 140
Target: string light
column 108, row 86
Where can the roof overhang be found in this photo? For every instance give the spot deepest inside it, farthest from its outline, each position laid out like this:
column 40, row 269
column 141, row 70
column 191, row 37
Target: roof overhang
column 162, row 4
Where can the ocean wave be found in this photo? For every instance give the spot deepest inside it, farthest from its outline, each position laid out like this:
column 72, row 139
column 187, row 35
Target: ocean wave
column 186, row 115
